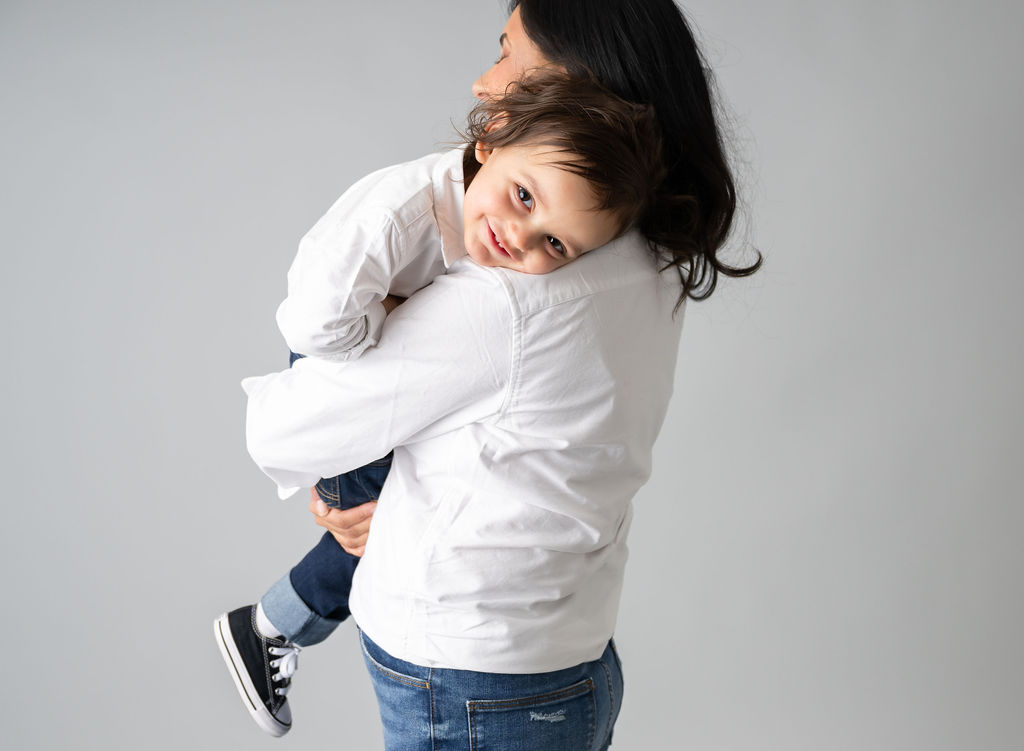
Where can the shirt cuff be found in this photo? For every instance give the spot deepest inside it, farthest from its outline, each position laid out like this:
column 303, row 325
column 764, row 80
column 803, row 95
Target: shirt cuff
column 250, row 386
column 374, row 322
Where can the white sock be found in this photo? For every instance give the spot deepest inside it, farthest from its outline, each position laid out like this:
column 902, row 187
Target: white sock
column 263, row 624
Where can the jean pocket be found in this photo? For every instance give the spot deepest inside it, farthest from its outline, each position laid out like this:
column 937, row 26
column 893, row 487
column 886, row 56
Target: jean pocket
column 563, row 719
column 405, row 701
column 386, row 672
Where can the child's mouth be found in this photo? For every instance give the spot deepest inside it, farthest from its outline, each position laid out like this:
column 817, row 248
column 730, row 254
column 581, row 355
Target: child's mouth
column 497, row 244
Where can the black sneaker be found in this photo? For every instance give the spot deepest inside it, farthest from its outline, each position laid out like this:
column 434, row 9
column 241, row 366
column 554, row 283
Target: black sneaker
column 260, row 666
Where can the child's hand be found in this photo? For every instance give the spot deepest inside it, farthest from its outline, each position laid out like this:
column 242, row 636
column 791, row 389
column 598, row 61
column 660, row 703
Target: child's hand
column 350, row 527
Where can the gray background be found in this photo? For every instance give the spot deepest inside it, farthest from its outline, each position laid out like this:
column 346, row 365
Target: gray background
column 829, row 553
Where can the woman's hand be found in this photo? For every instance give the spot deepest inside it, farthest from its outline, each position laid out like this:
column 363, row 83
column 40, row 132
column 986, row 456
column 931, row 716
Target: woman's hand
column 350, row 527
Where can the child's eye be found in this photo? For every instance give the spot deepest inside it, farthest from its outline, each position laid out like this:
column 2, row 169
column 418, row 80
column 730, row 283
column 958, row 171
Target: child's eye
column 524, row 196
column 557, row 245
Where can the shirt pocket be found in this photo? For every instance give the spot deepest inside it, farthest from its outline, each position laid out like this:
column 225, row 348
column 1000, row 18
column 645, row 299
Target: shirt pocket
column 562, row 719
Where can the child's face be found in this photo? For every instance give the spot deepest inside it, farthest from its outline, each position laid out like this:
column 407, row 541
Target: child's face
column 523, row 212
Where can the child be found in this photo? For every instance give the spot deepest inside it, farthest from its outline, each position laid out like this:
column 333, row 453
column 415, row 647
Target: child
column 558, row 168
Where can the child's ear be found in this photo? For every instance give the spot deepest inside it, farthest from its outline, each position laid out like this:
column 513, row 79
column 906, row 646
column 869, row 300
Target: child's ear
column 481, row 153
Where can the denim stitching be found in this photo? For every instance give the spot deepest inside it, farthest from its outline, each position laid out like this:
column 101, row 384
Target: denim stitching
column 407, row 680
column 476, row 706
column 593, row 722
column 325, row 492
column 577, row 689
column 430, row 681
column 611, row 697
column 618, row 664
column 398, row 677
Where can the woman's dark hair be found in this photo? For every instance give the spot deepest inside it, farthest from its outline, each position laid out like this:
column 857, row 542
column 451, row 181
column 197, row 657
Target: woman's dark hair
column 613, row 144
column 644, row 51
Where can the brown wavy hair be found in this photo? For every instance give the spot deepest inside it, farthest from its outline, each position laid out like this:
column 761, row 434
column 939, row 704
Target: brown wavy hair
column 612, row 144
column 645, row 52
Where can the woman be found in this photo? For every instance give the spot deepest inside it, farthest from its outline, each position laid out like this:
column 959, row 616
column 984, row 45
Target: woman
column 522, row 415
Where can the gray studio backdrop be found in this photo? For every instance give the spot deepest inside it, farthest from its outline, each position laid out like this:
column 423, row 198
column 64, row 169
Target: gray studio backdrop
column 829, row 553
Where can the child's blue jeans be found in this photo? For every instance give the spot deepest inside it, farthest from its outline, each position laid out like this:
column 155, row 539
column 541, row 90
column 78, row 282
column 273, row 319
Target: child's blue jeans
column 309, row 602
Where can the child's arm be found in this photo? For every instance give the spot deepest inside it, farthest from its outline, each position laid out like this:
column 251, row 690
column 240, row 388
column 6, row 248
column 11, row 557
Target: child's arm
column 337, row 283
column 437, row 369
column 381, row 235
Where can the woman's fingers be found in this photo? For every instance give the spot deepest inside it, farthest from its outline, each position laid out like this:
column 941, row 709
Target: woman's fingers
column 317, row 506
column 350, row 527
column 357, row 552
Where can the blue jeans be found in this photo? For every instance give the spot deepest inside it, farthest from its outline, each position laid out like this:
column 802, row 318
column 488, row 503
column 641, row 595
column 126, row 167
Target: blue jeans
column 434, row 709
column 311, row 601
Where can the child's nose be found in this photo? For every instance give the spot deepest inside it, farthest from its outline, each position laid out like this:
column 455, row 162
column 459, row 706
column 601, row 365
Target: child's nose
column 518, row 236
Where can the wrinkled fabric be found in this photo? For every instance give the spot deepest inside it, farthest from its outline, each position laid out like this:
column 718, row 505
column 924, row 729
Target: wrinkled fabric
column 522, row 410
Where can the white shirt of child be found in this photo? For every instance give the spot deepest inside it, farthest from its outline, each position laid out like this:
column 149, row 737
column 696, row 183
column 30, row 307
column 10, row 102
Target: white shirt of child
column 392, row 232
column 522, row 410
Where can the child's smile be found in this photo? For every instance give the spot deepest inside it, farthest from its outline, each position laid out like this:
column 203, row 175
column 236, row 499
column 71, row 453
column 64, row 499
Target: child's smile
column 525, row 212
column 497, row 242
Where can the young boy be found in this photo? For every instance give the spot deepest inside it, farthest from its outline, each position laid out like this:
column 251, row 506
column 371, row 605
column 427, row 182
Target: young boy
column 557, row 169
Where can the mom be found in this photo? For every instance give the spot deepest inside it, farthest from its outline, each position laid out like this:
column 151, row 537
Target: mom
column 522, row 411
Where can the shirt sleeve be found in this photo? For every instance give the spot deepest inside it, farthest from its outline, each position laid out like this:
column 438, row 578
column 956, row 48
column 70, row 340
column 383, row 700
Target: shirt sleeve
column 443, row 362
column 342, row 271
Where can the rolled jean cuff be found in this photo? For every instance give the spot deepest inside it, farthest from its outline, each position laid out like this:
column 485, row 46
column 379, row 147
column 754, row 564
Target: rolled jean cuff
column 292, row 616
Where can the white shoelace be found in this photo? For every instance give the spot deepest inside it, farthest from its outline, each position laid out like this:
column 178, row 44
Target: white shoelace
column 288, row 661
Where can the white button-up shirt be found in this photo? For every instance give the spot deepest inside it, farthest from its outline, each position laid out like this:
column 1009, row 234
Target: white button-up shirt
column 522, row 410
column 391, row 232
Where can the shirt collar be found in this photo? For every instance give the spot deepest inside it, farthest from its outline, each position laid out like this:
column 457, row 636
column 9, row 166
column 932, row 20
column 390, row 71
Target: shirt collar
column 449, row 194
